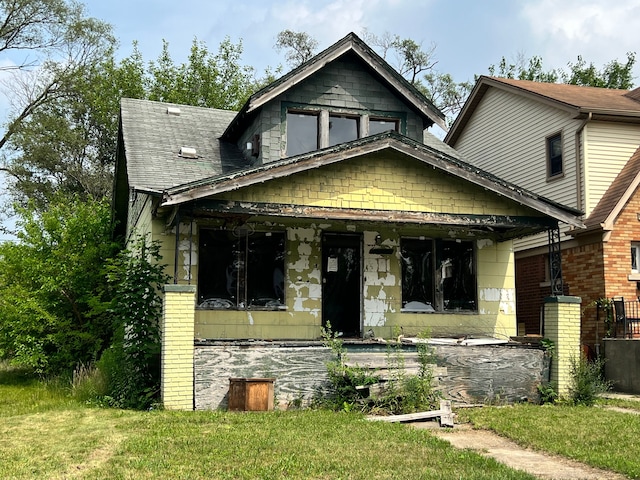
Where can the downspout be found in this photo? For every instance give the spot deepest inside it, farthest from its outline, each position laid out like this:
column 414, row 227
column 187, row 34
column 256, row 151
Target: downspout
column 579, row 164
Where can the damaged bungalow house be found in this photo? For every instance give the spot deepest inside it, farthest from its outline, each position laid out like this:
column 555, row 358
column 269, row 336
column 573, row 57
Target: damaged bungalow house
column 323, row 201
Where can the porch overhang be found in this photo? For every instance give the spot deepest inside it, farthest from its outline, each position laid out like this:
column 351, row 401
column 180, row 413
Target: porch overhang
column 498, row 227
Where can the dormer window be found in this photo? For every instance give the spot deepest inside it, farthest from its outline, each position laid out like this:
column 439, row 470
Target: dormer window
column 343, row 129
column 379, row 125
column 302, row 133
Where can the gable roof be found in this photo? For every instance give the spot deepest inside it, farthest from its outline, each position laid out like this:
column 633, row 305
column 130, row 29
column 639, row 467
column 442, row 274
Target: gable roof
column 350, row 44
column 154, row 133
column 616, row 197
column 578, row 101
column 433, row 153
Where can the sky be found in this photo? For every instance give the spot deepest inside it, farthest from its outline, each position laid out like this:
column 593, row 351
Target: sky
column 468, row 35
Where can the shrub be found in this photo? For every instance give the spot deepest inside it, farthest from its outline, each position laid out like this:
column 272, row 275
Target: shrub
column 587, row 381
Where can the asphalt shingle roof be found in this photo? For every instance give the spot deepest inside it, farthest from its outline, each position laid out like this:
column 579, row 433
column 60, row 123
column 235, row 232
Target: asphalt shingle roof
column 153, row 139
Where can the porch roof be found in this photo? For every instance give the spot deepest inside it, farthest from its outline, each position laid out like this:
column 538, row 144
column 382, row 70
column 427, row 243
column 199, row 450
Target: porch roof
column 433, row 153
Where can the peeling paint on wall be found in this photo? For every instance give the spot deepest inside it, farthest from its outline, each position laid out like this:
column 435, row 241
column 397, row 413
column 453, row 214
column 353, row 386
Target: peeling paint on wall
column 484, row 242
column 505, row 296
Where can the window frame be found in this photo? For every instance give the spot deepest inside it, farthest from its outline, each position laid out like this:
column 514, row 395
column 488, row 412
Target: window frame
column 337, row 115
column 291, row 113
column 377, row 118
column 435, row 247
column 554, row 159
column 635, row 256
column 231, row 257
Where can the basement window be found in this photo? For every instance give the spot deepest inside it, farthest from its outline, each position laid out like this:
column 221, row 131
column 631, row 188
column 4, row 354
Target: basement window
column 241, row 270
column 438, row 275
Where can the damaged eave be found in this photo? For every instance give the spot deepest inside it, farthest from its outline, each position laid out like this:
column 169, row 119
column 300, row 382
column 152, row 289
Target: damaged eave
column 487, row 222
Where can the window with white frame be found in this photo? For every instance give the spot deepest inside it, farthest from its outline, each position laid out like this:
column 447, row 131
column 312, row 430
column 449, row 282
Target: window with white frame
column 635, row 257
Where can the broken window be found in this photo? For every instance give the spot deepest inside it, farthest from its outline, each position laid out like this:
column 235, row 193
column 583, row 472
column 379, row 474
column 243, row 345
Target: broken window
column 438, row 275
column 342, row 129
column 241, row 271
column 302, row 133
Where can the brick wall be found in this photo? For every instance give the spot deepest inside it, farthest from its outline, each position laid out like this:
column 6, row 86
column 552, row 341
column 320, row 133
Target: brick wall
column 177, row 347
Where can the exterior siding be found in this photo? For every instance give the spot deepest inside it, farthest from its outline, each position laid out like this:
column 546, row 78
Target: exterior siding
column 608, row 146
column 507, row 137
column 342, row 87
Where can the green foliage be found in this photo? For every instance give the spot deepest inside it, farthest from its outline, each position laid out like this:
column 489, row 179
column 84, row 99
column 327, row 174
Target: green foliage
column 53, row 310
column 401, row 393
column 299, row 46
column 548, row 394
column 132, row 364
column 587, row 381
column 613, row 75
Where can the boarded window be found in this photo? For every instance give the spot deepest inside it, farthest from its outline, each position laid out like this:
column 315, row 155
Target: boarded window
column 241, row 271
column 438, row 275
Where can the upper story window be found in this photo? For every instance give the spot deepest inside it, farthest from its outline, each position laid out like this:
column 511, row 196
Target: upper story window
column 302, row 133
column 554, row 155
column 343, row 129
column 379, row 125
column 635, row 257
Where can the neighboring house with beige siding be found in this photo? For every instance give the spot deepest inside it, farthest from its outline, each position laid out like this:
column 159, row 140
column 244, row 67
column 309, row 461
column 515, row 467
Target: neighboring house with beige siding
column 570, row 144
column 323, row 201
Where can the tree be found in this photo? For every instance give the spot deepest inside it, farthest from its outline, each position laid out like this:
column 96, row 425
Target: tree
column 52, row 40
column 53, row 309
column 613, row 75
column 299, row 46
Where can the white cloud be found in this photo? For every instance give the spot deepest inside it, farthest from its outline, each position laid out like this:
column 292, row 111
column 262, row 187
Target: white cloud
column 599, row 30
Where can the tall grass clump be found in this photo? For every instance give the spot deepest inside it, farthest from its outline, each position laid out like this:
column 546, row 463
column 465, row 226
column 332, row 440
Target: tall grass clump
column 587, row 381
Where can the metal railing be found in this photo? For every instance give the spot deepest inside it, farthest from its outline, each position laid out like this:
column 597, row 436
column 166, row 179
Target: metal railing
column 626, row 318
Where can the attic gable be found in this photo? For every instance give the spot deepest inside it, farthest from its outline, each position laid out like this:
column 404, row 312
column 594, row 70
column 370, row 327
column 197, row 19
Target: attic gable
column 578, row 101
column 351, row 45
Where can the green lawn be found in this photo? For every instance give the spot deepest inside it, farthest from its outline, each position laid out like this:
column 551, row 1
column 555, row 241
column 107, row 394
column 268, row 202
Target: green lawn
column 45, row 434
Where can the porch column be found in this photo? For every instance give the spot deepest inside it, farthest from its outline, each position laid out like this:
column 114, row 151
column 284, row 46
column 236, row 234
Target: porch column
column 562, row 327
column 176, row 374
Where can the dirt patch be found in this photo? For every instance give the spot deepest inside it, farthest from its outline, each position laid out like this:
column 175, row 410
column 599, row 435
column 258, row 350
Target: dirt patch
column 510, row 453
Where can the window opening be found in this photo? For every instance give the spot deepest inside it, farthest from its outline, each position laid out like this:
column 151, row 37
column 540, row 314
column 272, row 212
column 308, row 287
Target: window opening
column 438, row 275
column 302, row 133
column 554, row 155
column 241, row 272
column 342, row 129
column 377, row 125
column 635, row 257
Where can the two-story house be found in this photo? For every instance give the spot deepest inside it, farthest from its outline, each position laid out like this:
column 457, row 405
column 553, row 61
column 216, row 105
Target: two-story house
column 577, row 146
column 325, row 201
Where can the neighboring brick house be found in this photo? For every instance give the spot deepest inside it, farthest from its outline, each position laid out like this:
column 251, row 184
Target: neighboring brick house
column 324, row 200
column 576, row 146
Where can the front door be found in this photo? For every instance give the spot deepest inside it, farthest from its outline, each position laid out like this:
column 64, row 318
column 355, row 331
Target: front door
column 341, row 283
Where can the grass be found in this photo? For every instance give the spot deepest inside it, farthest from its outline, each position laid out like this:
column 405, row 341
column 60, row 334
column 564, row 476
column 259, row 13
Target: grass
column 596, row 436
column 48, row 434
